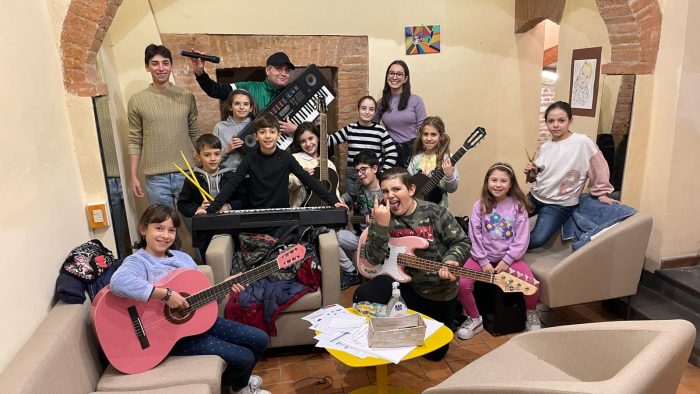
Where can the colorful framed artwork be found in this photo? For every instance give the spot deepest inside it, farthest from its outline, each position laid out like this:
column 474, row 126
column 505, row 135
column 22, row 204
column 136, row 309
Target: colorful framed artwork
column 585, row 76
column 422, row 39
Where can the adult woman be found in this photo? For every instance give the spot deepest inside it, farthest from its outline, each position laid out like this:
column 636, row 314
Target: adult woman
column 560, row 171
column 401, row 112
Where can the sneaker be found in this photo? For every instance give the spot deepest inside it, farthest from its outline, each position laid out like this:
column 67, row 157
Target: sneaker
column 533, row 321
column 253, row 387
column 470, row 327
column 348, row 279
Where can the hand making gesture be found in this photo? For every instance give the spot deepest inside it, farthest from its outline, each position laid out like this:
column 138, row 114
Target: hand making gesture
column 381, row 213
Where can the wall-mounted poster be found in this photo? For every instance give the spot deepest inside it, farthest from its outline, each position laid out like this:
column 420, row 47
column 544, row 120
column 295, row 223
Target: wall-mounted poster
column 585, row 75
column 422, row 39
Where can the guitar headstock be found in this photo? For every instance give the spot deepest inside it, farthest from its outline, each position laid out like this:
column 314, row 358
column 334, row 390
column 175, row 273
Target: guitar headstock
column 321, row 104
column 290, row 256
column 514, row 282
column 474, row 138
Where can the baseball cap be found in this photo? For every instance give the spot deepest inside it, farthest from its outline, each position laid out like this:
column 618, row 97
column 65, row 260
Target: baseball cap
column 278, row 59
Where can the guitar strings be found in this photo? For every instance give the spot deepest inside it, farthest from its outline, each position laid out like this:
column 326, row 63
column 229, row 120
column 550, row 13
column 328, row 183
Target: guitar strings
column 215, row 292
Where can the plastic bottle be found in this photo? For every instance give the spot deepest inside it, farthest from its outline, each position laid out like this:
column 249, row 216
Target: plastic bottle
column 396, row 306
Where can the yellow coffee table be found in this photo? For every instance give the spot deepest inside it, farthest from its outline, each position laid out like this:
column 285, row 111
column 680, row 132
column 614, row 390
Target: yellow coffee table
column 440, row 338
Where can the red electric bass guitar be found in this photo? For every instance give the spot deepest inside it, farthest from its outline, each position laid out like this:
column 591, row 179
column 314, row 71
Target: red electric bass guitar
column 136, row 335
column 401, row 255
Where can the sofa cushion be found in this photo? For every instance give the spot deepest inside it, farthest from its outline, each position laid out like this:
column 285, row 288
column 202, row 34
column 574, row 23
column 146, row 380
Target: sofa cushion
column 173, row 371
column 309, row 301
column 186, row 389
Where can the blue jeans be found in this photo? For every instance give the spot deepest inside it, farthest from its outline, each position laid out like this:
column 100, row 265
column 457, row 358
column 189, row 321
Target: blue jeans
column 550, row 218
column 238, row 344
column 164, row 188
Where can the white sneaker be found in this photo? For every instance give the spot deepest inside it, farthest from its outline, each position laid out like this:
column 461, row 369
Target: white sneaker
column 470, row 327
column 533, row 321
column 253, row 387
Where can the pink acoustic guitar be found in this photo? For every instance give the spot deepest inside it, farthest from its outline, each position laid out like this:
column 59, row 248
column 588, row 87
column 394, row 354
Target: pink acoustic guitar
column 136, row 336
column 401, row 255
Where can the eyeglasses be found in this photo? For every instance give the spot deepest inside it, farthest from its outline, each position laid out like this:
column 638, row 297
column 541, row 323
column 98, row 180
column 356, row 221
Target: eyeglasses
column 363, row 170
column 393, row 74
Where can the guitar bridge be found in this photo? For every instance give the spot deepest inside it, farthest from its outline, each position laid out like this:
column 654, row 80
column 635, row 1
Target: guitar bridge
column 138, row 327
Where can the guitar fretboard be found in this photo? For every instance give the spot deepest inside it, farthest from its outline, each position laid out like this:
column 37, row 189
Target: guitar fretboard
column 409, row 260
column 438, row 173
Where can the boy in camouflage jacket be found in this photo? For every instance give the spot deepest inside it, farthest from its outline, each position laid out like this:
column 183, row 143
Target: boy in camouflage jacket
column 400, row 215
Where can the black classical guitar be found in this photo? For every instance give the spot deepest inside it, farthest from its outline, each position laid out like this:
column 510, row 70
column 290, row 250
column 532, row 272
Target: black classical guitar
column 327, row 176
column 427, row 187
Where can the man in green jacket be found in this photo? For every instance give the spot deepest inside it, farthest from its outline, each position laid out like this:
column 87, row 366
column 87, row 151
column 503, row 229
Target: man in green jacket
column 277, row 68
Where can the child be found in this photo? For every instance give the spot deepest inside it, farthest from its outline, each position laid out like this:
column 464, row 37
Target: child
column 499, row 230
column 365, row 135
column 210, row 176
column 238, row 110
column 400, row 215
column 268, row 170
column 559, row 173
column 305, row 148
column 239, row 345
column 431, row 151
column 366, row 166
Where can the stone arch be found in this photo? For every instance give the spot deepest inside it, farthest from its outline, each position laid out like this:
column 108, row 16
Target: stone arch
column 84, row 29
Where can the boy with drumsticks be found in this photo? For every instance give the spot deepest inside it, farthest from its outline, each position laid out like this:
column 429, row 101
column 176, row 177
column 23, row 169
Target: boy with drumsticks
column 210, row 176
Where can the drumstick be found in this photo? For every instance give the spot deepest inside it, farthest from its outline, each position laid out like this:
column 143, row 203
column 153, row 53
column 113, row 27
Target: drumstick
column 194, row 182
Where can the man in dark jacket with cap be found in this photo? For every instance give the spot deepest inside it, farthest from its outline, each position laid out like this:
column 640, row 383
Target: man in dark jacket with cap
column 277, row 69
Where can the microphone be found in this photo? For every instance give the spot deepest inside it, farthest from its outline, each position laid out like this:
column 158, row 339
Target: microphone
column 208, row 58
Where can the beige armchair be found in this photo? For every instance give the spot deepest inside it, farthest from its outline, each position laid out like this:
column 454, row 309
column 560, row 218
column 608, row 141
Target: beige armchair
column 612, row 357
column 291, row 329
column 609, row 266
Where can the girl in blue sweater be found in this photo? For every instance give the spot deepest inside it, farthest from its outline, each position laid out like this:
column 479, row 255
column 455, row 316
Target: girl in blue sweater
column 239, row 345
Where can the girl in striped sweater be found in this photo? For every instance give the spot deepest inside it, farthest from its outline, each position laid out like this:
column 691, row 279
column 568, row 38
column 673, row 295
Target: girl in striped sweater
column 365, row 135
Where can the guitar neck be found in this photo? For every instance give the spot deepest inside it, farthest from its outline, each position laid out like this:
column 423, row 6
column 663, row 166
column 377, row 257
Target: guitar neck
column 215, row 292
column 438, row 173
column 409, row 260
column 323, row 147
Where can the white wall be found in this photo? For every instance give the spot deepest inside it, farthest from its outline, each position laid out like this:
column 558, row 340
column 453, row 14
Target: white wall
column 42, row 212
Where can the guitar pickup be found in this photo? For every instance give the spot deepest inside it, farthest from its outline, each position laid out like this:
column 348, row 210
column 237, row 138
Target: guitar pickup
column 138, row 327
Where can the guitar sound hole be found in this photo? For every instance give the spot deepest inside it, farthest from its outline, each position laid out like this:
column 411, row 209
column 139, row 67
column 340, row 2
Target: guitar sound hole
column 178, row 316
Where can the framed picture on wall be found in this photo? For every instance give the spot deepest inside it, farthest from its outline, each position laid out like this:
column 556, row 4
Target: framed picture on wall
column 585, row 76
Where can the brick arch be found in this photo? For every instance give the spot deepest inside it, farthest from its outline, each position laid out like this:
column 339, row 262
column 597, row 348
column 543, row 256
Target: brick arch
column 84, row 29
column 634, row 29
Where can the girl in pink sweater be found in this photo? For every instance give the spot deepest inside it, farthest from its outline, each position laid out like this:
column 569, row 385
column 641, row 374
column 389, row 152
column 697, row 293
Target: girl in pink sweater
column 499, row 230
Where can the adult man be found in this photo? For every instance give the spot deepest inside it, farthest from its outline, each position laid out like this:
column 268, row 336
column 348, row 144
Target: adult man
column 162, row 123
column 277, row 69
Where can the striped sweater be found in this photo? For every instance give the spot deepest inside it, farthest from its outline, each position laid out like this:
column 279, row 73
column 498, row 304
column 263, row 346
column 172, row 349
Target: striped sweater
column 374, row 138
column 161, row 124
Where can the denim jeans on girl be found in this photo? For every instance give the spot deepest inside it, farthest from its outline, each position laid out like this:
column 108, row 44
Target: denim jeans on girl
column 550, row 218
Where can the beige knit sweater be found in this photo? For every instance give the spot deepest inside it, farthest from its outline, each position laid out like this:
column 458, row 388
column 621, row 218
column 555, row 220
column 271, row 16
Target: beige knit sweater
column 161, row 124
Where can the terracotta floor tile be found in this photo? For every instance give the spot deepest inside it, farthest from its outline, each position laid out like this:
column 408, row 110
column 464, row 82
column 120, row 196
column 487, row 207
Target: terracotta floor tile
column 458, row 364
column 291, row 372
column 269, row 376
column 495, row 342
column 406, row 371
column 418, row 387
column 435, row 370
column 467, row 352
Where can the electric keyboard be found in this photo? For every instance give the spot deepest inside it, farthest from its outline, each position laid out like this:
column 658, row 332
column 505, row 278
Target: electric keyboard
column 297, row 101
column 260, row 218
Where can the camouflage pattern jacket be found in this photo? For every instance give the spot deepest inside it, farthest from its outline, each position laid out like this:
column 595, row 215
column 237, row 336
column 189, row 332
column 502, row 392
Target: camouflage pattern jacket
column 446, row 239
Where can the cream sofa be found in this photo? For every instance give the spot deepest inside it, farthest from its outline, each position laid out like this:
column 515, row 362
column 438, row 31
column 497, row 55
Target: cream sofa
column 612, row 357
column 291, row 329
column 62, row 356
column 609, row 266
